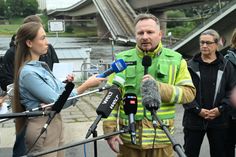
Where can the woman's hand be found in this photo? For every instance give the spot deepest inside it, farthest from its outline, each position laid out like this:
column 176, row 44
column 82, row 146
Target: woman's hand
column 92, row 81
column 2, row 99
column 69, row 78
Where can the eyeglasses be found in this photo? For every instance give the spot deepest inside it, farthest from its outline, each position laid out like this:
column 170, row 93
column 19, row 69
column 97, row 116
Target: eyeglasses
column 206, row 42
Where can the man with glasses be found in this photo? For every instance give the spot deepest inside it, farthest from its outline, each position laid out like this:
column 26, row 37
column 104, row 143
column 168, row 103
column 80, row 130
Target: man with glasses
column 213, row 77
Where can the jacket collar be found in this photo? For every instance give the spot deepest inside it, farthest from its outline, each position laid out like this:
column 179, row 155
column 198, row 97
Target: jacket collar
column 152, row 54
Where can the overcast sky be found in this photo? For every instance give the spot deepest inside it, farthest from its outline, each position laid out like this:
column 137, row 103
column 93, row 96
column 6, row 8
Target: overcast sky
column 53, row 4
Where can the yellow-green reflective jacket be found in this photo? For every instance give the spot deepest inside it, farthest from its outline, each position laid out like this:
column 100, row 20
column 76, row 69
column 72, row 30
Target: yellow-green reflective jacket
column 165, row 68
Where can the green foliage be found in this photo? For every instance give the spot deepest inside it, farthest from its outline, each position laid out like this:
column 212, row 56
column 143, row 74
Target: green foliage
column 13, row 8
column 2, row 8
column 174, row 15
column 30, row 7
column 179, row 26
column 69, row 29
column 179, row 31
column 44, row 19
column 16, row 20
column 21, row 8
column 85, row 31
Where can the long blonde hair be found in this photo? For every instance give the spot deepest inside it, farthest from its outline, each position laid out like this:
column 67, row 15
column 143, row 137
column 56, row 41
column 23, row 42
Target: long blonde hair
column 233, row 39
column 26, row 32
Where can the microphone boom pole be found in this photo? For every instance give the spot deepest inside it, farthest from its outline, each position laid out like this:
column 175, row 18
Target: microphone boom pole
column 49, row 105
column 125, row 130
column 176, row 146
column 25, row 114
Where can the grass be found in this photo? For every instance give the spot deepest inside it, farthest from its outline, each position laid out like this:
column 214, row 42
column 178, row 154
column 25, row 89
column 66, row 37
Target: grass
column 8, row 29
column 72, row 31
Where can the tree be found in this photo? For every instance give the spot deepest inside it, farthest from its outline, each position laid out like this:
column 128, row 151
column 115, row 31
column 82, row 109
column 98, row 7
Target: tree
column 14, row 8
column 30, row 7
column 19, row 8
column 2, row 8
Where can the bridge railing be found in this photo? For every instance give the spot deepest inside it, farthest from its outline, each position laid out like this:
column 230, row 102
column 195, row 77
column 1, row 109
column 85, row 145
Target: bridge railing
column 225, row 8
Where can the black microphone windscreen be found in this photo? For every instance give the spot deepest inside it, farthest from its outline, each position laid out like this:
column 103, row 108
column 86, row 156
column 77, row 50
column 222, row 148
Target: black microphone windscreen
column 151, row 98
column 147, row 61
column 58, row 105
column 130, row 103
column 109, row 101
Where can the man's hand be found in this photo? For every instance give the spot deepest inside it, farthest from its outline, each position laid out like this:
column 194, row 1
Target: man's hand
column 204, row 113
column 209, row 114
column 213, row 113
column 114, row 142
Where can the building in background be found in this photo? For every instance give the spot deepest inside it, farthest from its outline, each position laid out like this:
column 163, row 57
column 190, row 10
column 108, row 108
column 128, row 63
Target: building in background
column 42, row 4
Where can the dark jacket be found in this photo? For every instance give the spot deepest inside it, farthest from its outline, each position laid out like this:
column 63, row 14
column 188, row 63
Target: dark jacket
column 231, row 56
column 6, row 77
column 225, row 83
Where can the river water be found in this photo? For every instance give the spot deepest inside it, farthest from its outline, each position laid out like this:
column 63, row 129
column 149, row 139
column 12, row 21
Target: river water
column 101, row 49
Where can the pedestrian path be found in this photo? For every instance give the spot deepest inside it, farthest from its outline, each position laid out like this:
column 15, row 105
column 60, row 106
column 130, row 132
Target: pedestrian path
column 77, row 120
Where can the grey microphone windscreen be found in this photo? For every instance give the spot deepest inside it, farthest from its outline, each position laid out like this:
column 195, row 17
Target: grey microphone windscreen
column 151, row 98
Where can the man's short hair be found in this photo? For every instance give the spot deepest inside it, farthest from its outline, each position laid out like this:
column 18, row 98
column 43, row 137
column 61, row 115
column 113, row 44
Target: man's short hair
column 145, row 16
column 32, row 18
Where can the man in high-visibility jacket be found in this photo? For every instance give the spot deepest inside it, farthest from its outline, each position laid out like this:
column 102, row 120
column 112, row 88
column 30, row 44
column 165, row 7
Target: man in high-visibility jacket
column 173, row 80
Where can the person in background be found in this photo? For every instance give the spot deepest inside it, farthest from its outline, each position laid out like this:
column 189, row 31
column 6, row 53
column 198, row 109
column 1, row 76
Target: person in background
column 169, row 71
column 231, row 140
column 8, row 70
column 34, row 85
column 213, row 77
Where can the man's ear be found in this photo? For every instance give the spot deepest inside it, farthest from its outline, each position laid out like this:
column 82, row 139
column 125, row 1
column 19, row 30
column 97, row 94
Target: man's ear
column 29, row 43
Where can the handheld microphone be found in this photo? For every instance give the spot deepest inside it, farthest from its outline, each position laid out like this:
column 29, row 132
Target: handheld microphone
column 58, row 105
column 151, row 98
column 117, row 66
column 107, row 105
column 130, row 108
column 146, row 62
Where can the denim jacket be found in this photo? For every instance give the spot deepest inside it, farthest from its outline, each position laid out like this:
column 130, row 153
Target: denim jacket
column 38, row 85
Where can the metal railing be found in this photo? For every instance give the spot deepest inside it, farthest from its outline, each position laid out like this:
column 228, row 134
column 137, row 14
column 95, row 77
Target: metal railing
column 210, row 19
column 118, row 16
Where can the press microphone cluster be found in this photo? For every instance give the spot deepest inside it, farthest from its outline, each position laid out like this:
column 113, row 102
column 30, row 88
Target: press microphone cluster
column 108, row 103
column 151, row 98
column 117, row 66
column 130, row 108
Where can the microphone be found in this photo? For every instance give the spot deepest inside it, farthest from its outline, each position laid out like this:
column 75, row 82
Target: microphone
column 146, row 62
column 117, row 66
column 130, row 108
column 58, row 105
column 107, row 105
column 151, row 98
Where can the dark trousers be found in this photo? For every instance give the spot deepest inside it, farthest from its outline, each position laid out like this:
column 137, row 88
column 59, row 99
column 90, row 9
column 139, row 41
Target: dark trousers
column 231, row 139
column 19, row 148
column 193, row 140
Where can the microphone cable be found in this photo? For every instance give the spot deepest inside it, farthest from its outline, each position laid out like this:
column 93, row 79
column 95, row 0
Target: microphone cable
column 85, row 150
column 33, row 144
column 154, row 139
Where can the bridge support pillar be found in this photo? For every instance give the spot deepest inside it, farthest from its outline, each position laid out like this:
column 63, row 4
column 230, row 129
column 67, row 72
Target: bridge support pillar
column 102, row 30
column 162, row 17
